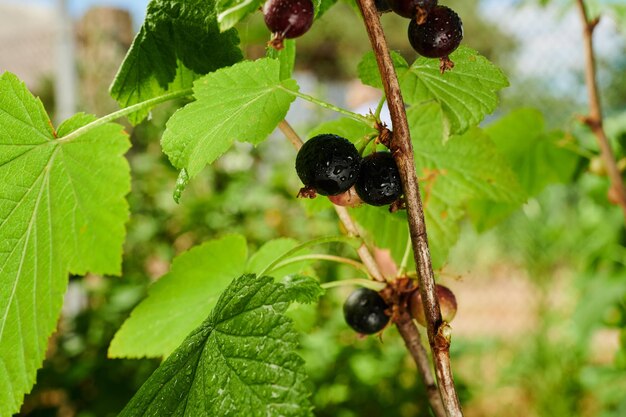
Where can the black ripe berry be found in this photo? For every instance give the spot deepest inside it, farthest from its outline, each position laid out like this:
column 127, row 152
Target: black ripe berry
column 287, row 18
column 412, row 9
column 440, row 34
column 364, row 311
column 379, row 180
column 382, row 6
column 327, row 164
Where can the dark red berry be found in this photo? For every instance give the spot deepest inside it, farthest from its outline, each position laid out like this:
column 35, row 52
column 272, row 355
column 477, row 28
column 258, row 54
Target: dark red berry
column 379, row 180
column 328, row 164
column 439, row 35
column 364, row 311
column 412, row 9
column 288, row 18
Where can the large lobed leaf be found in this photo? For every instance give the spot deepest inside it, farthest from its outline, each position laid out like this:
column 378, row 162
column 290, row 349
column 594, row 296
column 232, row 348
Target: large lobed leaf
column 240, row 361
column 179, row 41
column 466, row 93
column 244, row 102
column 53, row 189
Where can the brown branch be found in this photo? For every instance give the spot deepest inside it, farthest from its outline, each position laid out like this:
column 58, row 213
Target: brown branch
column 595, row 120
column 405, row 325
column 403, row 152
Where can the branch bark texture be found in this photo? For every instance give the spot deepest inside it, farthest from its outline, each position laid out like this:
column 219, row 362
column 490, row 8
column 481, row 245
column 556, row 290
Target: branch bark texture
column 595, row 120
column 402, row 150
column 406, row 326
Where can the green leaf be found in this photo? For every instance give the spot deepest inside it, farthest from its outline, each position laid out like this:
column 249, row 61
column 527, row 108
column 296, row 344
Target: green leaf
column 464, row 167
column 52, row 191
column 230, row 12
column 368, row 68
column 302, row 289
column 536, row 156
column 179, row 41
column 179, row 301
column 240, row 362
column 244, row 102
column 286, row 56
column 466, row 93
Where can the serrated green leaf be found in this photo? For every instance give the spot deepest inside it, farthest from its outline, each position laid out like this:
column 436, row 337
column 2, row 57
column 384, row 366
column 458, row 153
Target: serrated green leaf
column 466, row 93
column 302, row 289
column 244, row 102
column 536, row 156
column 240, row 362
column 322, row 6
column 179, row 41
column 467, row 166
column 368, row 68
column 179, row 301
column 52, row 191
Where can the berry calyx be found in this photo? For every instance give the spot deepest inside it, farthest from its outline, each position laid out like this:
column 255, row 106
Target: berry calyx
column 438, row 36
column 379, row 180
column 364, row 311
column 447, row 304
column 328, row 165
column 413, row 9
column 287, row 19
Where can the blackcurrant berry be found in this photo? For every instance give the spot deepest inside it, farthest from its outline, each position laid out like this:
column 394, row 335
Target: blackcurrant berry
column 447, row 304
column 382, row 6
column 328, row 164
column 379, row 180
column 440, row 34
column 287, row 18
column 364, row 311
column 413, row 9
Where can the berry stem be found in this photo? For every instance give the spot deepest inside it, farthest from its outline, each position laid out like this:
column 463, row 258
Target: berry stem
column 402, row 149
column 595, row 119
column 320, row 257
column 368, row 120
column 319, row 241
column 366, row 283
column 405, row 257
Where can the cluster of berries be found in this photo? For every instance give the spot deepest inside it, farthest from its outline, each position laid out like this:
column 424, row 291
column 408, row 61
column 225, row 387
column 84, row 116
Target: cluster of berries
column 434, row 31
column 330, row 165
column 366, row 312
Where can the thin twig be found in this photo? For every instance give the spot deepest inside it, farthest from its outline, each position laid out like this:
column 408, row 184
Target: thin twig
column 402, row 149
column 594, row 120
column 405, row 325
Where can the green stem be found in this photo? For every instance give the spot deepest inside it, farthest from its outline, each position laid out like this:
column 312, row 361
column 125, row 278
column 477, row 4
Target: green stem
column 125, row 112
column 405, row 257
column 367, row 283
column 346, row 239
column 379, row 108
column 356, row 116
column 321, row 257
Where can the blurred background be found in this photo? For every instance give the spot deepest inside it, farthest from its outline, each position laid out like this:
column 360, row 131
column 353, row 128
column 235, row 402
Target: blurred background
column 542, row 296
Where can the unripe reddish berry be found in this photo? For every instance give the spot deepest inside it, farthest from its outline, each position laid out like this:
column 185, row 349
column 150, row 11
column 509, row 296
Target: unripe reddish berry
column 447, row 303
